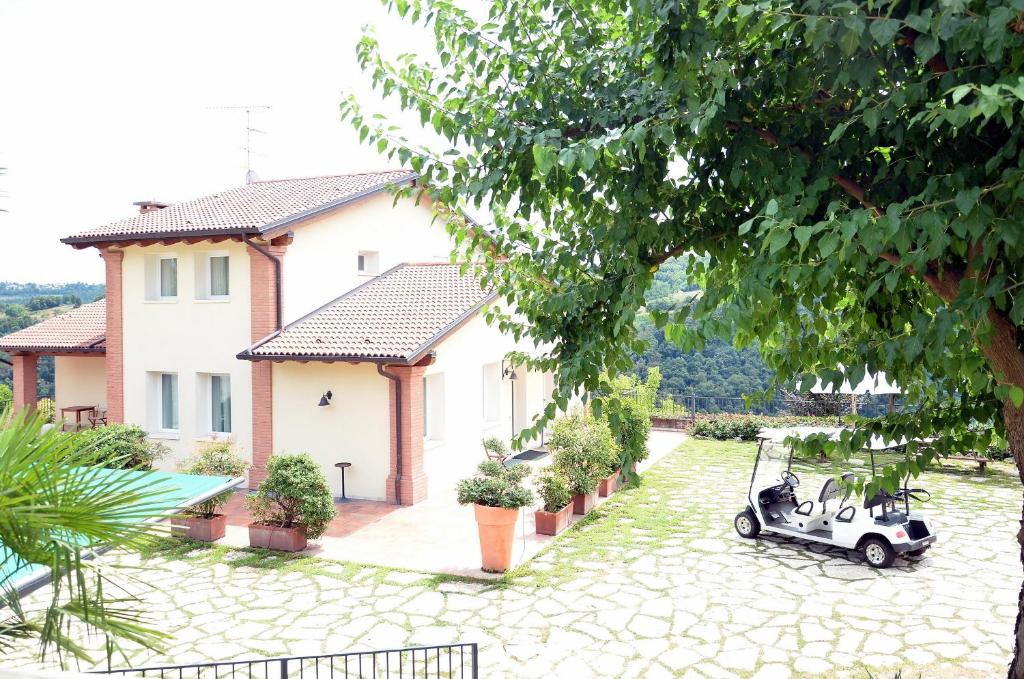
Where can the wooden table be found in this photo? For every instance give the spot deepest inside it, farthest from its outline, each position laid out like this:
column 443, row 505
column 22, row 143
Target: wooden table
column 77, row 410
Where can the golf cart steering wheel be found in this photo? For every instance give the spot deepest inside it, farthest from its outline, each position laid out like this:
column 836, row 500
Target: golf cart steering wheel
column 790, row 479
column 919, row 494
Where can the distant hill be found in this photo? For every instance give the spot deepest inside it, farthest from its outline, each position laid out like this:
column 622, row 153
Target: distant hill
column 21, row 293
column 717, row 370
column 22, row 304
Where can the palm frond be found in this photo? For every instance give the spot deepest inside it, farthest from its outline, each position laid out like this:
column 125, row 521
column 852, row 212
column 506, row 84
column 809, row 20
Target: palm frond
column 57, row 508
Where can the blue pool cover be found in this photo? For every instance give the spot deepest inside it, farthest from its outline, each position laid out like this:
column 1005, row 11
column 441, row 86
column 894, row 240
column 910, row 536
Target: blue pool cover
column 179, row 491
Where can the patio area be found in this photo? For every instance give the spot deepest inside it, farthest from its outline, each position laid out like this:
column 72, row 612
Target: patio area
column 656, row 584
column 437, row 534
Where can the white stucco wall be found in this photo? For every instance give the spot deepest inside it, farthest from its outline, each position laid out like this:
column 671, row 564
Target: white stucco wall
column 353, row 428
column 79, row 381
column 321, row 262
column 191, row 337
column 461, row 359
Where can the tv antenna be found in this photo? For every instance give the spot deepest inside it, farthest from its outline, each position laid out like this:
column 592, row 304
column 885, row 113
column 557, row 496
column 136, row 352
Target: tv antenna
column 250, row 117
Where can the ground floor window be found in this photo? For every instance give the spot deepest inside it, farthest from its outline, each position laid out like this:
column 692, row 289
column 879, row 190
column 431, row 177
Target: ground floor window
column 433, row 407
column 169, row 401
column 491, row 392
column 220, row 404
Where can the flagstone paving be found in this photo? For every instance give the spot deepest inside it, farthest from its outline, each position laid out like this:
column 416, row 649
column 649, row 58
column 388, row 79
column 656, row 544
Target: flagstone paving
column 655, row 584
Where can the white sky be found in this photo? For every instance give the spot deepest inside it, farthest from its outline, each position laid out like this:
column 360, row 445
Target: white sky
column 105, row 103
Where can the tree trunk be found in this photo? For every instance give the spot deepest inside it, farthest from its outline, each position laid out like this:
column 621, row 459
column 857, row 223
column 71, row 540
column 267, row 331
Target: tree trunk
column 1013, row 417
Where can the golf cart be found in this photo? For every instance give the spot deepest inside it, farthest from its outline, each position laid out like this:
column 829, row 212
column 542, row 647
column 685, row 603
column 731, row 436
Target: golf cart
column 881, row 527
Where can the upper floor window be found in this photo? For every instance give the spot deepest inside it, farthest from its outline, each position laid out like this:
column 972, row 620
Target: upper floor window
column 213, row 275
column 161, row 277
column 368, row 262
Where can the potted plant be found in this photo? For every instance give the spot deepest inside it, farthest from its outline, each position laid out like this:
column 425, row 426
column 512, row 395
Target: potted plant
column 497, row 495
column 553, row 517
column 495, row 449
column 293, row 504
column 583, row 446
column 201, row 521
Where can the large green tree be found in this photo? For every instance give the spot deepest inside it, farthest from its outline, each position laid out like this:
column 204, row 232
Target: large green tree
column 849, row 173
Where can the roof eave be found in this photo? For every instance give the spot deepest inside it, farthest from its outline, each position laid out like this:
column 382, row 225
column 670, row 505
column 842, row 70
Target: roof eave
column 84, row 241
column 304, row 358
column 51, row 350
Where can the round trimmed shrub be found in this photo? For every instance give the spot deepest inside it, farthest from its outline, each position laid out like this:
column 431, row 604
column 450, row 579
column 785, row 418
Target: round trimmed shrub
column 215, row 458
column 295, row 493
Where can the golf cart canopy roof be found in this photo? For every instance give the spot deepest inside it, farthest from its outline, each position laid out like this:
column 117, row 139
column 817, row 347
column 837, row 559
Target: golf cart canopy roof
column 780, row 434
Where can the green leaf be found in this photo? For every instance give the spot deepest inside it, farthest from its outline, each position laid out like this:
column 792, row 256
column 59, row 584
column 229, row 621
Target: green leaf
column 803, row 235
column 1017, row 396
column 967, row 199
column 772, row 207
column 828, row 243
column 884, row 31
column 544, row 158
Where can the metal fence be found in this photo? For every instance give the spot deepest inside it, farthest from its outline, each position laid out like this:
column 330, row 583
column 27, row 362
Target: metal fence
column 687, row 407
column 454, row 661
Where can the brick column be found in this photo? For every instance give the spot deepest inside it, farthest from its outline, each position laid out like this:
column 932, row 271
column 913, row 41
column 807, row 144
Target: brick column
column 263, row 314
column 25, row 380
column 115, row 335
column 413, row 486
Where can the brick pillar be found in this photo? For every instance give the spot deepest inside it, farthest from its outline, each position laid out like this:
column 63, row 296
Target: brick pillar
column 414, row 480
column 115, row 335
column 25, row 380
column 263, row 309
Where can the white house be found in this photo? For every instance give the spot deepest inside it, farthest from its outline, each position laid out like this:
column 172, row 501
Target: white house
column 294, row 315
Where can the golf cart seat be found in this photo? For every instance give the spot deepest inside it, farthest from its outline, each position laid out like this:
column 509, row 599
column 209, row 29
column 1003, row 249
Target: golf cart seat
column 830, row 490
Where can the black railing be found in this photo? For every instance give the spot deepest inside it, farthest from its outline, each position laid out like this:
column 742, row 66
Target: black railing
column 454, row 661
column 687, row 407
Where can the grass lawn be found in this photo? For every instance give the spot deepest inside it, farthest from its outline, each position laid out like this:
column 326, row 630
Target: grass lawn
column 655, row 583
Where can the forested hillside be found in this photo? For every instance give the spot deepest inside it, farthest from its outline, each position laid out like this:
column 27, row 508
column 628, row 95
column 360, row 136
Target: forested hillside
column 22, row 304
column 717, row 370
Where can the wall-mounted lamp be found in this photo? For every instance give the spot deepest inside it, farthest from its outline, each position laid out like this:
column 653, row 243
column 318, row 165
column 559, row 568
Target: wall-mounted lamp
column 325, row 400
column 508, row 370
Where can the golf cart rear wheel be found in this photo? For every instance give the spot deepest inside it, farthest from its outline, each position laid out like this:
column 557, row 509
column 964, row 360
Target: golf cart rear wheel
column 878, row 552
column 747, row 524
column 918, row 552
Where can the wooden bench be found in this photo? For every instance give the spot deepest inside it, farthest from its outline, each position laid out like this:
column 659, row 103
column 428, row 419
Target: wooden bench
column 982, row 461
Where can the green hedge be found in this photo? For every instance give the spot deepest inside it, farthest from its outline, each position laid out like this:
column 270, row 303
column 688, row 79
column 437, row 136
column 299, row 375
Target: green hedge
column 745, row 427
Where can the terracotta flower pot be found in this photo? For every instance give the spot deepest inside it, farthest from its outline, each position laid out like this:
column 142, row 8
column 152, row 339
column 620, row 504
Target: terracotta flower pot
column 552, row 523
column 609, row 485
column 200, row 527
column 497, row 528
column 583, row 504
column 275, row 537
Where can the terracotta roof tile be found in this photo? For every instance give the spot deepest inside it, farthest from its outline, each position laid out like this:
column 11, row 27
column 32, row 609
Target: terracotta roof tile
column 82, row 330
column 254, row 208
column 399, row 315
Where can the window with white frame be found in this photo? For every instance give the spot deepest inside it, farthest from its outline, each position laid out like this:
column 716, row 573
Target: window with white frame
column 433, row 407
column 220, row 404
column 491, row 398
column 161, row 272
column 368, row 262
column 213, row 275
column 168, row 400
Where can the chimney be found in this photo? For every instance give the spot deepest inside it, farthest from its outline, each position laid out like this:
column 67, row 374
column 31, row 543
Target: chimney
column 150, row 206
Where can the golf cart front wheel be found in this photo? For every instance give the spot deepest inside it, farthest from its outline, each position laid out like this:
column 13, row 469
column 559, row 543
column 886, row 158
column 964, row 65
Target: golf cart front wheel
column 878, row 552
column 747, row 524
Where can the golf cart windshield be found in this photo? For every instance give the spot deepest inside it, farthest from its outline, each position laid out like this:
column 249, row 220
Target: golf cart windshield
column 775, row 455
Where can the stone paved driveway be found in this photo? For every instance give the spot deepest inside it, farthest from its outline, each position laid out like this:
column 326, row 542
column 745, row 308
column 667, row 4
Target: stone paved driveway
column 656, row 584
